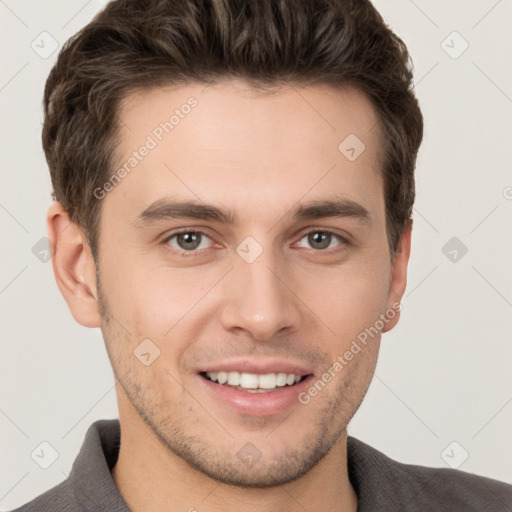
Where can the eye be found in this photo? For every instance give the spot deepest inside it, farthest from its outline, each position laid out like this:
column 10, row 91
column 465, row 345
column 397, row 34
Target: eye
column 322, row 240
column 188, row 241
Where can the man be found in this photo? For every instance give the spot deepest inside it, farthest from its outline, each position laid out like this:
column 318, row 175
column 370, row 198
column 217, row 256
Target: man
column 234, row 184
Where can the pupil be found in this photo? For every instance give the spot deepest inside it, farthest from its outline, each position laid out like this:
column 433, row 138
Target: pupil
column 320, row 238
column 188, row 240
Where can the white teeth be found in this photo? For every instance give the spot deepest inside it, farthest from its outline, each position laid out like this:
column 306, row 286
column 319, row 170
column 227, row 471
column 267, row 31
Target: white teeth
column 268, row 381
column 248, row 380
column 233, row 378
column 252, row 381
column 281, row 379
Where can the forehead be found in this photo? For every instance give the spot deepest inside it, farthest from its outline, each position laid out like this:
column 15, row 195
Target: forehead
column 224, row 113
column 232, row 143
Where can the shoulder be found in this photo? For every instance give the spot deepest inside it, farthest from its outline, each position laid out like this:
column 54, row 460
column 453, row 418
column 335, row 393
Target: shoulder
column 379, row 479
column 89, row 485
column 458, row 490
column 61, row 498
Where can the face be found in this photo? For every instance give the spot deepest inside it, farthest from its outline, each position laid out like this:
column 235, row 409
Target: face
column 243, row 244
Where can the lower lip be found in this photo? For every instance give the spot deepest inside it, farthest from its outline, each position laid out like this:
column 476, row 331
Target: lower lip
column 257, row 404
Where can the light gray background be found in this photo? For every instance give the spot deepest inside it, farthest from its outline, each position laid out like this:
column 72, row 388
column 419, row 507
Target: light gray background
column 443, row 374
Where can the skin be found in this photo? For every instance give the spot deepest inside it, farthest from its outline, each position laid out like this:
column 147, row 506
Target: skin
column 260, row 156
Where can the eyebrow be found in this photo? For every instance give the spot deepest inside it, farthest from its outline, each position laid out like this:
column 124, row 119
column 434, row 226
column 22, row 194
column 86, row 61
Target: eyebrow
column 340, row 208
column 165, row 209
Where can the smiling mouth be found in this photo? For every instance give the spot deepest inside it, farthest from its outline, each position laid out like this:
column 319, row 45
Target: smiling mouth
column 252, row 382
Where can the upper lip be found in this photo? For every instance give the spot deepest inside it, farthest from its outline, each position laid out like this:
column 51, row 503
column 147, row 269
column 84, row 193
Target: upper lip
column 259, row 367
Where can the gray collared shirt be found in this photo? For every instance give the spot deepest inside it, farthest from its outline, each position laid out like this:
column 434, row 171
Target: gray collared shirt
column 381, row 484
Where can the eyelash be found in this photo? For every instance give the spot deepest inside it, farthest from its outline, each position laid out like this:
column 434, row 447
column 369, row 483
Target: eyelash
column 198, row 252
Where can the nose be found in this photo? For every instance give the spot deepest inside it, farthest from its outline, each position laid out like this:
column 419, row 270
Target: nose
column 260, row 299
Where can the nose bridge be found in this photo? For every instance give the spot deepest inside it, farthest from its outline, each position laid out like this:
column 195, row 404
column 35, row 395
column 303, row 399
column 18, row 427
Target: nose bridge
column 257, row 300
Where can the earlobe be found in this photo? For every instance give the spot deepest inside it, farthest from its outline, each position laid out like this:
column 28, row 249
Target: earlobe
column 73, row 266
column 398, row 280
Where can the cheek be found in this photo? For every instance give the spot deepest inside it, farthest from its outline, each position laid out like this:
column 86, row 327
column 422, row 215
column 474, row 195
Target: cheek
column 148, row 296
column 163, row 305
column 347, row 299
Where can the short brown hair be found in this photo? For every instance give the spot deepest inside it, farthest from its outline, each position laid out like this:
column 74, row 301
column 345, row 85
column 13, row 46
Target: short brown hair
column 134, row 44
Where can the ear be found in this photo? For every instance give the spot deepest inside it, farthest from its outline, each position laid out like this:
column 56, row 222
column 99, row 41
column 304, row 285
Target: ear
column 73, row 266
column 398, row 280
